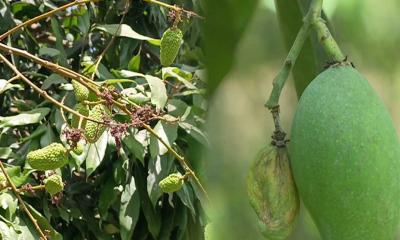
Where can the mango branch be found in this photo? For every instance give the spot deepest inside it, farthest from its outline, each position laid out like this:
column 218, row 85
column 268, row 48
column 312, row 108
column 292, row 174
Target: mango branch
column 40, row 17
column 26, row 210
column 312, row 20
column 280, row 79
column 175, row 8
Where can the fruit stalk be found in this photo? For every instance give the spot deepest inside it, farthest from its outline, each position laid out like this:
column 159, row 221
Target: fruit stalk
column 312, row 20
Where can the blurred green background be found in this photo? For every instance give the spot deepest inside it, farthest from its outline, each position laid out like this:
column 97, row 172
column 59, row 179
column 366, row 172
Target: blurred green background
column 368, row 32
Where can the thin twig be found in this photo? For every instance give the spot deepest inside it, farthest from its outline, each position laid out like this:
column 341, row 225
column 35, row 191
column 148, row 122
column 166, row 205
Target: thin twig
column 42, row 92
column 40, row 17
column 175, row 8
column 100, row 57
column 15, row 190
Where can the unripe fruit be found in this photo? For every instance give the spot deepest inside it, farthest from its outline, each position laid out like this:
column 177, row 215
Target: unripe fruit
column 53, row 184
column 50, row 157
column 93, row 130
column 81, row 92
column 345, row 156
column 171, row 183
column 170, row 43
column 3, row 181
column 78, row 150
column 82, row 109
column 272, row 193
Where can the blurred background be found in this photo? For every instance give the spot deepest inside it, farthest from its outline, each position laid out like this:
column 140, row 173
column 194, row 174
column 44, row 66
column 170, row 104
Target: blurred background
column 368, row 32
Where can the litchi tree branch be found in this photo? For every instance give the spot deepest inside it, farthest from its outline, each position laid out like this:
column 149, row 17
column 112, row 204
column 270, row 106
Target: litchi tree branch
column 43, row 16
column 174, row 8
column 22, row 203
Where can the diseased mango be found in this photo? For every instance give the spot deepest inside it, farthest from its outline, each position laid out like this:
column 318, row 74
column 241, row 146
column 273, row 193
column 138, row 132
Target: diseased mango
column 93, row 130
column 171, row 183
column 345, row 156
column 50, row 157
column 170, row 43
column 272, row 193
column 53, row 184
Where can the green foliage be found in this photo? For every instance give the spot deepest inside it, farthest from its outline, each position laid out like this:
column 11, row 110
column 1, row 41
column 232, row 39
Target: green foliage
column 222, row 32
column 346, row 168
column 112, row 188
column 50, row 157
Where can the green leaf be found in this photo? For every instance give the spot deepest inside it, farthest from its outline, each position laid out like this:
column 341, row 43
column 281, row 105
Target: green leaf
column 4, row 86
column 137, row 143
column 168, row 133
column 186, row 196
column 96, row 153
column 44, row 223
column 108, row 196
column 5, row 152
column 226, row 22
column 9, row 203
column 53, row 79
column 158, row 91
column 152, row 218
column 129, row 210
column 48, row 137
column 126, row 31
column 159, row 167
column 51, row 52
column 24, row 118
column 179, row 75
column 134, row 63
column 195, row 132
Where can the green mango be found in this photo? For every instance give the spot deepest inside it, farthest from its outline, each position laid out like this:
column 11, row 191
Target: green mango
column 345, row 157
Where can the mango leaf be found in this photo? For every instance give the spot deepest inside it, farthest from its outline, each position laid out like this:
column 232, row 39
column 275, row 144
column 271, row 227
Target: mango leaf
column 108, row 196
column 222, row 32
column 195, row 132
column 186, row 196
column 168, row 133
column 4, row 86
column 153, row 220
column 96, row 153
column 125, row 31
column 24, row 118
column 53, row 79
column 134, row 63
column 129, row 210
column 44, row 223
column 159, row 167
column 5, row 152
column 179, row 75
column 158, row 91
column 9, row 203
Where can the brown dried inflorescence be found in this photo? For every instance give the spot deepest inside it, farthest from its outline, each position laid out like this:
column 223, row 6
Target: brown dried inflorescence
column 73, row 135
